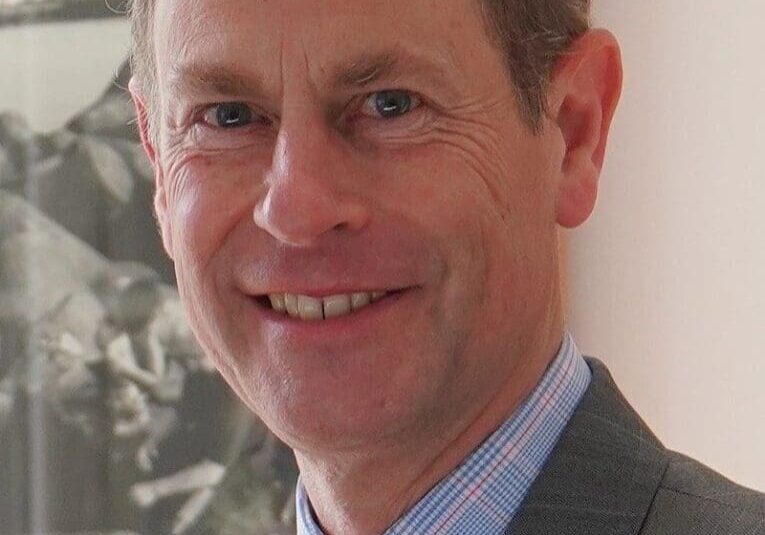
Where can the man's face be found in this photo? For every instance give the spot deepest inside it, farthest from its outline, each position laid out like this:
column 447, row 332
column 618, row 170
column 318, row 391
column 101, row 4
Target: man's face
column 350, row 146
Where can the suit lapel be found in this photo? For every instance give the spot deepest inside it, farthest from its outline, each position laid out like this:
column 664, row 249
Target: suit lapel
column 603, row 473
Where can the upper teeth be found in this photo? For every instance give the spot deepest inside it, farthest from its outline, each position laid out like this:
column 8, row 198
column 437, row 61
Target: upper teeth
column 315, row 308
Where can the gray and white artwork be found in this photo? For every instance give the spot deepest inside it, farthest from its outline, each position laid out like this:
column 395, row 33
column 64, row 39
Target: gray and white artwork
column 112, row 420
column 25, row 11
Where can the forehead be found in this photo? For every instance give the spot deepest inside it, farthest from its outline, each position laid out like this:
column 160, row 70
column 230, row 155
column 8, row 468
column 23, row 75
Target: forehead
column 274, row 36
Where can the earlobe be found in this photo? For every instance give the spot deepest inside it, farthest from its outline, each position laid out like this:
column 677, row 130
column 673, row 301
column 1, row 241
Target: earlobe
column 584, row 93
column 160, row 198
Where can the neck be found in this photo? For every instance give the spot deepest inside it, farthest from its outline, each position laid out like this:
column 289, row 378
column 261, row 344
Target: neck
column 365, row 492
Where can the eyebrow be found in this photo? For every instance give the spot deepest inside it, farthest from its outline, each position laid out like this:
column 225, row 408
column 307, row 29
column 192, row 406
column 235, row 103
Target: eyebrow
column 212, row 77
column 360, row 72
column 369, row 68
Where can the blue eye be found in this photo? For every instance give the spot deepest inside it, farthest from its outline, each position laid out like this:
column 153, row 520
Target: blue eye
column 390, row 104
column 231, row 115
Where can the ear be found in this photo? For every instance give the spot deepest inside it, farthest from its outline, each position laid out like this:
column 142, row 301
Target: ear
column 585, row 90
column 160, row 197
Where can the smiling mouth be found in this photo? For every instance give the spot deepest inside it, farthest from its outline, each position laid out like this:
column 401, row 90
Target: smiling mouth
column 309, row 308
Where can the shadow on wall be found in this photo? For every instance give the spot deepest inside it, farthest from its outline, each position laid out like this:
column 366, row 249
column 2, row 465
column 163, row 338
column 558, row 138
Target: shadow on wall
column 111, row 417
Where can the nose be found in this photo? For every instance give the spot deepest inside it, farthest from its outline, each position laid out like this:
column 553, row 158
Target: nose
column 311, row 188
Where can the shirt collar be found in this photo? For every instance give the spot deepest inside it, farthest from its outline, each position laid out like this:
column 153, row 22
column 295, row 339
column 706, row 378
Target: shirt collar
column 482, row 494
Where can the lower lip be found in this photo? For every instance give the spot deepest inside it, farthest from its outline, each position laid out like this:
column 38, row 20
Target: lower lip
column 354, row 324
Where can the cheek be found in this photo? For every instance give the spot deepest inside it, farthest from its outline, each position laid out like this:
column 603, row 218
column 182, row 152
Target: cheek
column 440, row 194
column 207, row 199
column 492, row 217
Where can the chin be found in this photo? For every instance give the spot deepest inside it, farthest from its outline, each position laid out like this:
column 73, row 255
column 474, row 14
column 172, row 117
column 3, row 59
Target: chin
column 334, row 421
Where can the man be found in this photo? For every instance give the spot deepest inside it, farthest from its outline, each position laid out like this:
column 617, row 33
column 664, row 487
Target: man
column 362, row 200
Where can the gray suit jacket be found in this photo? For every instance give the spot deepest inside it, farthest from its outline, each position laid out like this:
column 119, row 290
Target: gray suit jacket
column 609, row 475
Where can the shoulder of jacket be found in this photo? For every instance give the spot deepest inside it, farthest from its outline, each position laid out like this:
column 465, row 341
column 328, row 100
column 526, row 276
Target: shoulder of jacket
column 696, row 499
column 688, row 476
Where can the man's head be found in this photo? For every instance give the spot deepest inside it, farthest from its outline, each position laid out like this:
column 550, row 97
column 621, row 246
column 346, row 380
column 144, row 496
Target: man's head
column 357, row 146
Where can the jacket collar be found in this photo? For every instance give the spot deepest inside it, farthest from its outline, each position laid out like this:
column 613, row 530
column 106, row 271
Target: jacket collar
column 602, row 475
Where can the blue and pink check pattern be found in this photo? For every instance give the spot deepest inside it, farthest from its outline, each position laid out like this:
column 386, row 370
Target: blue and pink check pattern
column 481, row 495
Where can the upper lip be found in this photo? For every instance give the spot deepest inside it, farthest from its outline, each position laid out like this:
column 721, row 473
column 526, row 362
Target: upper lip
column 323, row 275
column 335, row 268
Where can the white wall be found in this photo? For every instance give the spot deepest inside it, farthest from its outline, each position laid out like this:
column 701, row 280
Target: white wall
column 50, row 71
column 667, row 280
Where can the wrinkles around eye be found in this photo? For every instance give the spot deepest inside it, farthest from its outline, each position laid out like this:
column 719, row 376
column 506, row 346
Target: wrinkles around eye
column 200, row 128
